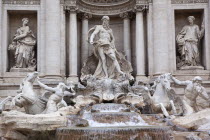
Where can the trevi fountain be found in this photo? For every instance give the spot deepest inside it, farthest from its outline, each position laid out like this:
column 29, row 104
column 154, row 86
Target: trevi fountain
column 104, row 70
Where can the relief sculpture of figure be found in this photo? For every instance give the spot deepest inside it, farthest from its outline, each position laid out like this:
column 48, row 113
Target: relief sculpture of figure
column 102, row 38
column 188, row 42
column 193, row 90
column 23, row 44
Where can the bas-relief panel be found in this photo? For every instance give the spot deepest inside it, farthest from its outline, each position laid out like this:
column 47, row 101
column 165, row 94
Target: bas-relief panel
column 15, row 21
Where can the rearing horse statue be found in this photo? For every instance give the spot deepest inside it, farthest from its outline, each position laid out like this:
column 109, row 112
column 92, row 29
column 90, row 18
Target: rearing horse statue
column 27, row 97
column 161, row 99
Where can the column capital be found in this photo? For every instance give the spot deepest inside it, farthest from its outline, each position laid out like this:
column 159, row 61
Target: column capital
column 86, row 16
column 126, row 15
column 70, row 8
column 141, row 8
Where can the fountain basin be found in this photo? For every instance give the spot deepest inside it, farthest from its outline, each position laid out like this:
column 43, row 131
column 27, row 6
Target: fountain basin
column 114, row 133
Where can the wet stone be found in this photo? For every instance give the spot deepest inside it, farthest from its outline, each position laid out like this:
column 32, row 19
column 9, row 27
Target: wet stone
column 109, row 107
column 115, row 133
column 81, row 123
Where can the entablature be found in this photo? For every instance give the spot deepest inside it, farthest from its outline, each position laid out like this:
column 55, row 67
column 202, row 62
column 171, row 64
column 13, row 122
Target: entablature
column 21, row 2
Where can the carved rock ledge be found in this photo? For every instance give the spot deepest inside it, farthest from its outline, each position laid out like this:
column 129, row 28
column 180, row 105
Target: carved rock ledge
column 17, row 125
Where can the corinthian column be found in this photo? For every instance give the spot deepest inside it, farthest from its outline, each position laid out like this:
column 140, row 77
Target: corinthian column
column 52, row 54
column 73, row 44
column 84, row 47
column 140, row 43
column 160, row 36
column 126, row 35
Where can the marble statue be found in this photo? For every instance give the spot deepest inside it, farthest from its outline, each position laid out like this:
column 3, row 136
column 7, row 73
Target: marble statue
column 111, row 63
column 109, row 90
column 57, row 97
column 192, row 91
column 133, row 95
column 23, row 44
column 140, row 90
column 188, row 42
column 161, row 99
column 28, row 98
column 104, row 47
column 37, row 103
column 102, row 88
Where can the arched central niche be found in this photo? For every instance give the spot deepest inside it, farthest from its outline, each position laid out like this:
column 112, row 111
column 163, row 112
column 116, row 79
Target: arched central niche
column 117, row 11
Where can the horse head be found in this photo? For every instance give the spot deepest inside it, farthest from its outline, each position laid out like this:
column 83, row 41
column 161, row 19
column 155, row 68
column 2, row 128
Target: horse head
column 31, row 77
column 164, row 81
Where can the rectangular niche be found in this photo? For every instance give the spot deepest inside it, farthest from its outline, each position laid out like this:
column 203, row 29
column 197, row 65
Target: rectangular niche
column 14, row 23
column 181, row 20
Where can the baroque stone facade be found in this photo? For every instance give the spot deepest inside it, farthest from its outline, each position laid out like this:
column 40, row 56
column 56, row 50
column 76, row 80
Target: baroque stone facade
column 135, row 52
column 144, row 31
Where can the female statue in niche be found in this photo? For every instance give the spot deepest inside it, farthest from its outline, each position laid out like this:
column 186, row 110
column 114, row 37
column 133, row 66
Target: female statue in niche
column 23, row 44
column 188, row 41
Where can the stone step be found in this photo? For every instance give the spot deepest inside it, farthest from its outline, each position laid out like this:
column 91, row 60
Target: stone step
column 114, row 118
column 109, row 107
column 114, row 133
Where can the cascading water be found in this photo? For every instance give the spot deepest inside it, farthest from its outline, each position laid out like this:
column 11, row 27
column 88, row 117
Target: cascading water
column 111, row 122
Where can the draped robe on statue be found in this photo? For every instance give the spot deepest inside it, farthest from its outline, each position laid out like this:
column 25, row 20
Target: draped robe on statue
column 188, row 40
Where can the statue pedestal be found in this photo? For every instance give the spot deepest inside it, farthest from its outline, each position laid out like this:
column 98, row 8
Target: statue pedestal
column 22, row 69
column 187, row 73
column 192, row 68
